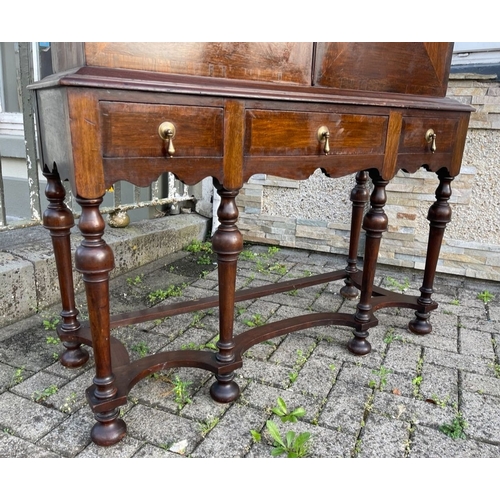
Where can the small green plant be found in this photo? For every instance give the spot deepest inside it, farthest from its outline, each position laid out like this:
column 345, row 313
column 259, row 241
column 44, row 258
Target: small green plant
column 390, row 337
column 159, row 295
column 285, row 415
column 272, row 251
column 135, row 281
column 207, row 425
column 181, row 394
column 292, row 445
column 69, row 403
column 293, row 293
column 50, row 324
column 485, row 296
column 442, row 403
column 53, row 340
column 204, row 260
column 394, row 284
column 292, row 377
column 247, row 255
column 496, row 369
column 39, row 396
column 196, row 321
column 456, row 428
column 18, row 376
column 278, row 268
column 256, row 436
column 382, row 373
column 416, row 384
column 301, row 358
column 141, row 348
column 198, row 347
column 256, row 320
column 455, row 302
column 199, row 246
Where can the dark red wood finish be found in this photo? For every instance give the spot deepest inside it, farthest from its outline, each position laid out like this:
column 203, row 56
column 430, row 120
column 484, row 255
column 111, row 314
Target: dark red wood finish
column 238, row 110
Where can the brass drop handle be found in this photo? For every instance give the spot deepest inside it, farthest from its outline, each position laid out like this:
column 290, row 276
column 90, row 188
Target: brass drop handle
column 323, row 137
column 166, row 131
column 430, row 137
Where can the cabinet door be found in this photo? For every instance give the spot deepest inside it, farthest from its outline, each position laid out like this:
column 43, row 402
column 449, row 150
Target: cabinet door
column 420, row 68
column 287, row 62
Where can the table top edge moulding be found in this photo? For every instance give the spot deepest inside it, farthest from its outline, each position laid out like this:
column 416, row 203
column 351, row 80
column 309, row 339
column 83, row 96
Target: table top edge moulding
column 118, row 111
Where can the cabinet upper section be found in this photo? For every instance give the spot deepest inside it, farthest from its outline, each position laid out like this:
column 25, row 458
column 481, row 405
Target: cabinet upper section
column 418, row 68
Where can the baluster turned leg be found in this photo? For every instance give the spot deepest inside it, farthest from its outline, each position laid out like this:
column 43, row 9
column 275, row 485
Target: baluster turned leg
column 439, row 215
column 374, row 223
column 227, row 243
column 94, row 259
column 59, row 220
column 359, row 198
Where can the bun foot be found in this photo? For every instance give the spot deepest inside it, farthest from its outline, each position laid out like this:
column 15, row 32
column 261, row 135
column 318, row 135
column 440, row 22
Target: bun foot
column 74, row 356
column 225, row 389
column 420, row 325
column 359, row 346
column 109, row 429
column 349, row 292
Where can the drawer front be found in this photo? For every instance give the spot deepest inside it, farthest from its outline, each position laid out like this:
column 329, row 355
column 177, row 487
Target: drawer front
column 414, row 130
column 277, row 133
column 131, row 130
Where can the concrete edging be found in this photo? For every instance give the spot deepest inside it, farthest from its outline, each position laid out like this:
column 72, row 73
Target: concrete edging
column 28, row 274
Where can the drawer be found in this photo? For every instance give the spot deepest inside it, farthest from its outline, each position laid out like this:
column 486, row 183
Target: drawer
column 413, row 134
column 294, row 133
column 131, row 130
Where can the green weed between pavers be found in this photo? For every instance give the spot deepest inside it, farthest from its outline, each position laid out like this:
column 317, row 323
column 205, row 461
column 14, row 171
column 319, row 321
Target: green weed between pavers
column 18, row 376
column 381, row 373
column 181, row 394
column 199, row 246
column 496, row 369
column 456, row 428
column 135, row 281
column 39, row 396
column 256, row 320
column 395, row 285
column 204, row 251
column 286, row 415
column 292, row 444
column 207, row 425
column 417, row 380
column 50, row 324
column 212, row 345
column 69, row 403
column 141, row 348
column 390, row 337
column 159, row 295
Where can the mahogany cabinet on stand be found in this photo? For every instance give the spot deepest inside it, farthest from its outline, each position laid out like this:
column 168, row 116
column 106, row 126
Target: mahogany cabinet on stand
column 132, row 111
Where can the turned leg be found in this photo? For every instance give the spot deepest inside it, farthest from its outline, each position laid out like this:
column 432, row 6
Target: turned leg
column 439, row 215
column 94, row 259
column 359, row 198
column 59, row 220
column 374, row 223
column 227, row 242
